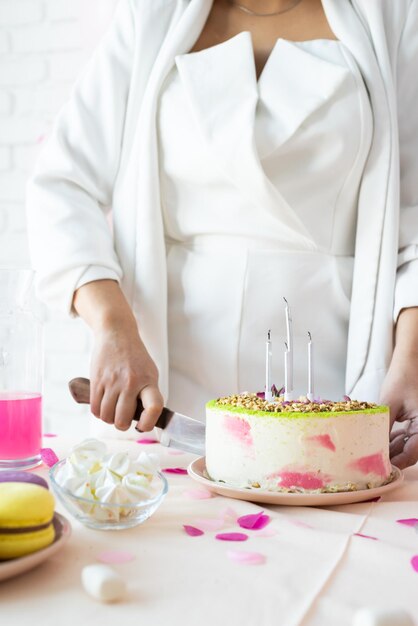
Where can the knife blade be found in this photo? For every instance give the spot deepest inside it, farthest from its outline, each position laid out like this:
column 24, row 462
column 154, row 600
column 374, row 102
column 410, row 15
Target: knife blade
column 173, row 429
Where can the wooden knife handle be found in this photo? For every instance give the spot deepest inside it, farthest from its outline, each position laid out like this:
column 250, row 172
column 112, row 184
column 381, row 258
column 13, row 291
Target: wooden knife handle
column 80, row 391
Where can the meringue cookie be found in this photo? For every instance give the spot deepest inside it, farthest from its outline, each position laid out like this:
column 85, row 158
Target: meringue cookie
column 119, row 463
column 146, row 464
column 112, row 483
column 137, row 487
column 88, row 454
column 84, row 491
column 104, row 478
column 112, row 494
column 69, row 474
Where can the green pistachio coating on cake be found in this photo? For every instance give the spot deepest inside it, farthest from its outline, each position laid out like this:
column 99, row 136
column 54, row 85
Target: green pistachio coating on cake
column 255, row 404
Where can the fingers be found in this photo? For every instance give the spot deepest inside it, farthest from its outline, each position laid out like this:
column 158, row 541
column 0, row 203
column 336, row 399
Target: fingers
column 397, row 445
column 96, row 396
column 409, row 455
column 108, row 405
column 116, row 405
column 153, row 406
column 125, row 410
column 397, row 433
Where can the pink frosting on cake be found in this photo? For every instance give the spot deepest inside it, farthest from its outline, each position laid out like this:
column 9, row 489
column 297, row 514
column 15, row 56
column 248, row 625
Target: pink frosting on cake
column 324, row 441
column 239, row 429
column 305, row 480
column 372, row 464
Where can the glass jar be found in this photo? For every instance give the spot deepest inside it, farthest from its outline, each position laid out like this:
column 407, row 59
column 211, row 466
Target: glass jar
column 21, row 366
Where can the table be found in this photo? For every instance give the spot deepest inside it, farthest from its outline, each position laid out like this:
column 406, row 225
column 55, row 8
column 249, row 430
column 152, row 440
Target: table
column 318, row 571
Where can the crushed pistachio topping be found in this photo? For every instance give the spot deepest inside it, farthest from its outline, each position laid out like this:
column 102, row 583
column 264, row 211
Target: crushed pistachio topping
column 254, row 402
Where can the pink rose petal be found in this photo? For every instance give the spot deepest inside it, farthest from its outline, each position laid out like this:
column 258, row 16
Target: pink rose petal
column 365, row 536
column 49, row 457
column 192, row 531
column 414, row 562
column 147, row 441
column 231, row 537
column 412, row 521
column 246, row 558
column 175, row 470
column 50, row 435
column 208, row 523
column 113, row 557
column 256, row 521
column 197, row 494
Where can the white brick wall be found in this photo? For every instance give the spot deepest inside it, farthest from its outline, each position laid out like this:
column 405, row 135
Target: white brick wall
column 43, row 46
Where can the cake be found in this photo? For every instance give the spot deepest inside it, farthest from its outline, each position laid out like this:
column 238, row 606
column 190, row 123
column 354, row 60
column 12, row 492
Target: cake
column 298, row 446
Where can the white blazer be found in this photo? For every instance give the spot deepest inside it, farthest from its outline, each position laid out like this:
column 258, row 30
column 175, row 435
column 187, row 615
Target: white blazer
column 103, row 153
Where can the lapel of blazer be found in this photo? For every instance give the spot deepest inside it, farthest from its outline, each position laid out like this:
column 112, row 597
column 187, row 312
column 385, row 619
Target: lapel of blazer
column 223, row 93
column 374, row 191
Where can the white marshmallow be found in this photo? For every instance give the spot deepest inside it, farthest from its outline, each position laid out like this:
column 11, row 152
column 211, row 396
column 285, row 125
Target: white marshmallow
column 103, row 583
column 382, row 617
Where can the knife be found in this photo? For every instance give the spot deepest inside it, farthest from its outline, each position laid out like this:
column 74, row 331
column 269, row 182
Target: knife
column 174, row 430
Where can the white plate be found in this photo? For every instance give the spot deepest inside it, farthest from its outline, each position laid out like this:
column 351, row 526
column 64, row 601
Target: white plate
column 197, row 471
column 13, row 567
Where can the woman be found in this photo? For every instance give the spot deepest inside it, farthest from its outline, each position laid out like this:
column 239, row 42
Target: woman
column 249, row 151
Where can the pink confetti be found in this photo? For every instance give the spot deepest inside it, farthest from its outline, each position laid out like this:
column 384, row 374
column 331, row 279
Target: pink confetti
column 365, row 536
column 175, row 452
column 246, row 558
column 254, row 522
column 231, row 537
column 412, row 521
column 210, row 523
column 192, row 531
column 197, row 494
column 146, row 441
column 414, row 562
column 175, row 470
column 50, row 435
column 41, row 138
column 49, row 457
column 114, row 557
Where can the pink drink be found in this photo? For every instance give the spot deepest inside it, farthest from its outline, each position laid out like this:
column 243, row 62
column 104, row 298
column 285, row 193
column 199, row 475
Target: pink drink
column 20, row 425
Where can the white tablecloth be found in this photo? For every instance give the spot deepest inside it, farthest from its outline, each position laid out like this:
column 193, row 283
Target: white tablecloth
column 317, row 571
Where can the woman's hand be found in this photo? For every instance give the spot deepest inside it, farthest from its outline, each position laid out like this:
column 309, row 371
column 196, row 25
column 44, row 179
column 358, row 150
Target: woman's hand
column 121, row 368
column 121, row 371
column 400, row 391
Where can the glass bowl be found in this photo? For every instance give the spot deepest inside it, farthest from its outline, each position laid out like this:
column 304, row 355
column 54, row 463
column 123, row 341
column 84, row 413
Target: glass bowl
column 103, row 515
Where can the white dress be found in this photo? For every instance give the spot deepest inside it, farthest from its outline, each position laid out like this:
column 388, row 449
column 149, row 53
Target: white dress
column 260, row 204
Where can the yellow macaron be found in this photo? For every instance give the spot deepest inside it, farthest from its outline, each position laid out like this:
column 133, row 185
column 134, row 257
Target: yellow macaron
column 26, row 513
